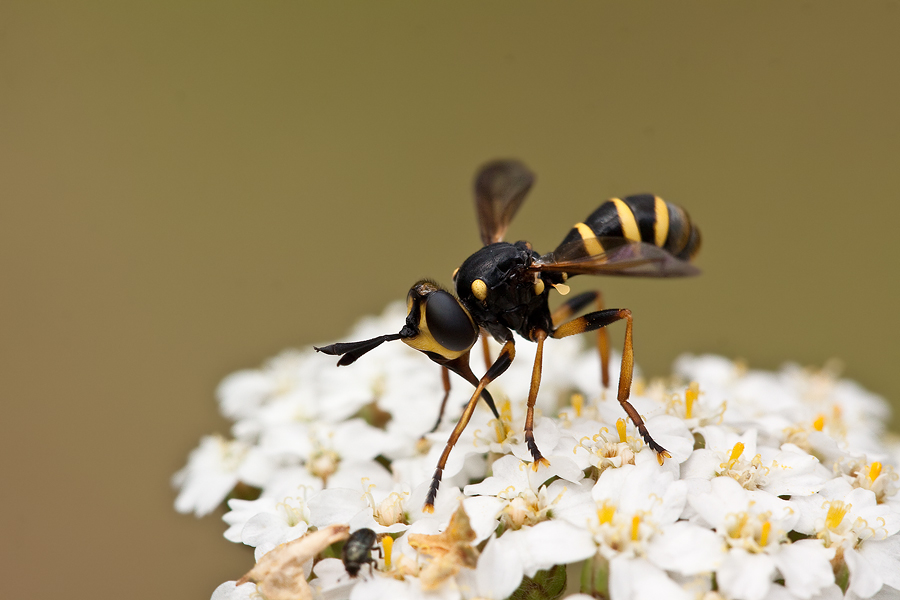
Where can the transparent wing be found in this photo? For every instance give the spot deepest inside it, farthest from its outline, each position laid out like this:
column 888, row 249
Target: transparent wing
column 619, row 256
column 500, row 189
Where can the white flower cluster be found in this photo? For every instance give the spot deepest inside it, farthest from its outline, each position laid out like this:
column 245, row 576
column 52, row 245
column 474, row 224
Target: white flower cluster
column 779, row 485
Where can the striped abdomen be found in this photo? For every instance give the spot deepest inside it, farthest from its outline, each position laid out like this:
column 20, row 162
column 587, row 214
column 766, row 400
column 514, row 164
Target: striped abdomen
column 641, row 218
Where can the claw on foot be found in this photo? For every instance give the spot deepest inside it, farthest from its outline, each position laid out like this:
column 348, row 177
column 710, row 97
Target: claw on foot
column 537, row 463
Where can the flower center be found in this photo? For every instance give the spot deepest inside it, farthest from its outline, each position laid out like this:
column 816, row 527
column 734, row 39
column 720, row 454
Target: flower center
column 836, row 512
column 748, row 531
column 606, row 513
column 293, row 511
column 323, row 463
column 390, row 510
column 751, row 474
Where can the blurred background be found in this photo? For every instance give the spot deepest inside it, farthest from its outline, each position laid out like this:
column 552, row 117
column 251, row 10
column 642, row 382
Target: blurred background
column 188, row 188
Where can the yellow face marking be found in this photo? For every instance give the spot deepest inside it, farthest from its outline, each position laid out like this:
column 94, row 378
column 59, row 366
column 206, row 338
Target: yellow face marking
column 479, row 289
column 539, row 287
column 661, row 226
column 591, row 244
column 626, row 218
column 425, row 342
column 455, row 273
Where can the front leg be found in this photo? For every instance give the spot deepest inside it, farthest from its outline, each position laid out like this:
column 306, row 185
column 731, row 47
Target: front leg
column 507, row 354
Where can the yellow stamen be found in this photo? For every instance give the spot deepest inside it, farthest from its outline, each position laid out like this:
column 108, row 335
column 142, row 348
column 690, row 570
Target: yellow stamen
column 499, row 430
column 577, row 403
column 387, row 542
column 606, row 513
column 819, row 423
column 635, row 527
column 620, row 427
column 836, row 512
column 735, row 454
column 764, row 535
column 738, row 529
column 690, row 396
column 581, row 445
column 874, row 471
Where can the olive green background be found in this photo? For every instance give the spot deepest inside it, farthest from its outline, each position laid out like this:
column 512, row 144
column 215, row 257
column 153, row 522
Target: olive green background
column 188, row 188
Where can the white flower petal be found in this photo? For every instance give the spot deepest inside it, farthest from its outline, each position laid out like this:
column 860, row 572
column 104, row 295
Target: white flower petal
column 551, row 543
column 673, row 435
column 805, row 566
column 380, row 588
column 482, row 512
column 230, row 591
column 241, row 393
column 884, row 557
column 865, row 579
column 794, row 473
column 499, row 571
column 546, row 435
column 745, row 576
column 830, row 592
column 687, row 549
column 335, row 506
column 703, row 464
column 637, row 579
column 332, row 581
column 211, row 473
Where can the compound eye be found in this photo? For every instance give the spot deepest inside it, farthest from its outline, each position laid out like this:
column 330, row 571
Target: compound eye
column 449, row 323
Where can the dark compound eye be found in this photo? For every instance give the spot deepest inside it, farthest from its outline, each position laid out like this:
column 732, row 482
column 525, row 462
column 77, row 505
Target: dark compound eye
column 448, row 322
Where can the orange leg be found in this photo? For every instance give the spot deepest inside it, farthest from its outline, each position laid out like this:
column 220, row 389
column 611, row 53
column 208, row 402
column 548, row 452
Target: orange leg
column 599, row 319
column 487, row 350
column 445, row 379
column 507, row 354
column 539, row 336
column 574, row 305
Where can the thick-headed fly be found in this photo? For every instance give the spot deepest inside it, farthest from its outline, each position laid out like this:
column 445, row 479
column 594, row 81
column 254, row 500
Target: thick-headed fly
column 505, row 287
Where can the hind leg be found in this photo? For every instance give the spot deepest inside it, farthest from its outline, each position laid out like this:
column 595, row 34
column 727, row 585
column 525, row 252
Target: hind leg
column 600, row 319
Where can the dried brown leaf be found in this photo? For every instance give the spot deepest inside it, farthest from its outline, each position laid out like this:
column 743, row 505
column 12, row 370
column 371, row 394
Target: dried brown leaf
column 279, row 574
column 452, row 549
